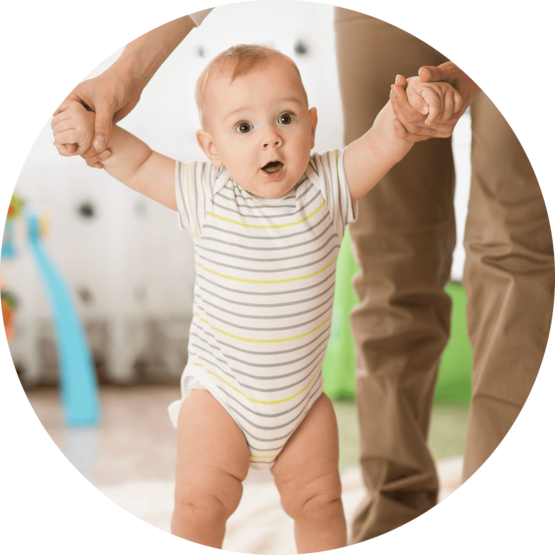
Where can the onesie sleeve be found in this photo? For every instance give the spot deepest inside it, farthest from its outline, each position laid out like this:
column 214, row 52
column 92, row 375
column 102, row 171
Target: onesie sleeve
column 327, row 172
column 194, row 186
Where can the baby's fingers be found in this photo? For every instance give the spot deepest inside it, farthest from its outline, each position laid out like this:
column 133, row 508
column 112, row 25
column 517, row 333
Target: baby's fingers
column 417, row 102
column 435, row 106
column 65, row 149
column 63, row 125
column 452, row 103
column 448, row 105
column 67, row 137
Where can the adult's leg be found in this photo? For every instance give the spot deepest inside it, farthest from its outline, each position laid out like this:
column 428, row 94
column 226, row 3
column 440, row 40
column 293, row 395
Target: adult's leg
column 509, row 278
column 403, row 240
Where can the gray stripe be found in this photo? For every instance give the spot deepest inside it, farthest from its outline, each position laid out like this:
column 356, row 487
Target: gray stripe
column 314, row 390
column 276, row 415
column 234, row 371
column 309, row 394
column 232, row 375
column 196, row 193
column 329, row 183
column 275, row 248
column 253, row 206
column 188, row 226
column 284, row 292
column 306, row 190
column 312, row 162
column 257, row 328
column 258, row 377
column 276, row 317
column 261, row 389
column 268, row 237
column 276, row 365
column 268, row 207
column 244, row 194
column 263, row 353
column 271, row 270
column 304, row 254
column 230, row 300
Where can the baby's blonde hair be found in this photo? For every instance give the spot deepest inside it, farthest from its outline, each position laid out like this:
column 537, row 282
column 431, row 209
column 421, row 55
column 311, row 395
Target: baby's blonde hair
column 246, row 59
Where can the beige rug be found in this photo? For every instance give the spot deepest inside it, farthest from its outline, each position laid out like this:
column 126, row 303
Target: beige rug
column 259, row 525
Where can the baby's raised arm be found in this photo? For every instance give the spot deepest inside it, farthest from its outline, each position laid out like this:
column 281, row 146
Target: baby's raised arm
column 132, row 162
column 369, row 158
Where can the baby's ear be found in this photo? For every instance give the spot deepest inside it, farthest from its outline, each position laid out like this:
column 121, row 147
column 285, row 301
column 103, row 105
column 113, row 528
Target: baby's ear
column 206, row 143
column 314, row 116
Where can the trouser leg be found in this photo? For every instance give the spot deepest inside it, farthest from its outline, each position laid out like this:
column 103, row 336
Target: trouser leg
column 508, row 277
column 403, row 240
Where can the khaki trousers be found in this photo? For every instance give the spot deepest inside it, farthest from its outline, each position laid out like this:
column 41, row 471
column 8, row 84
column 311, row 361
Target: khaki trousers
column 403, row 240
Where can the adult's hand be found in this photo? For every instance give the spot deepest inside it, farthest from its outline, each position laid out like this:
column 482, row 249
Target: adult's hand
column 410, row 123
column 114, row 93
column 111, row 95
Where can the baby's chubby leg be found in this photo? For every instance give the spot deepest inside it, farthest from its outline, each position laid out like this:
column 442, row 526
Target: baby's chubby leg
column 212, row 460
column 307, row 477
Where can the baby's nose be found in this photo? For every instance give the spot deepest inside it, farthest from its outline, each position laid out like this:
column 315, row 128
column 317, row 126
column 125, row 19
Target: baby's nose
column 274, row 142
column 271, row 138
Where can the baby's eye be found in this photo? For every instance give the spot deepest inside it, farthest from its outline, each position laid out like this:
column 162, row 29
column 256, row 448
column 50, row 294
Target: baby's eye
column 286, row 119
column 243, row 127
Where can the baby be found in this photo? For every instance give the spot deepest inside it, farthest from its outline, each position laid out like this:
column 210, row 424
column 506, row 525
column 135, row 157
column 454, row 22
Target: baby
column 267, row 218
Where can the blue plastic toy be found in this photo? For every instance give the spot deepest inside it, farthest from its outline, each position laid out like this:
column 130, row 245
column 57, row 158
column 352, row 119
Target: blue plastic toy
column 78, row 382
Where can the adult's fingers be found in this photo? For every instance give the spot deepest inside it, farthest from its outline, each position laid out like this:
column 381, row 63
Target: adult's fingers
column 430, row 73
column 102, row 125
column 401, row 81
column 416, row 127
column 404, row 134
column 405, row 112
column 94, row 159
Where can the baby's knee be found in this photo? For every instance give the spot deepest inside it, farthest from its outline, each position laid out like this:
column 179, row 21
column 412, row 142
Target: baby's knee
column 318, row 499
column 208, row 505
column 204, row 508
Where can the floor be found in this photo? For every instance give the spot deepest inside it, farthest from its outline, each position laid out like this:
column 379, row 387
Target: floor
column 130, row 457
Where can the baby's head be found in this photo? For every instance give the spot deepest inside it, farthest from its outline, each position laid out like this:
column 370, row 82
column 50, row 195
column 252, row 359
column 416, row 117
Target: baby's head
column 255, row 119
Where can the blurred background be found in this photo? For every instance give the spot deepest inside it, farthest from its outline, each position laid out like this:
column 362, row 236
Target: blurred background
column 97, row 288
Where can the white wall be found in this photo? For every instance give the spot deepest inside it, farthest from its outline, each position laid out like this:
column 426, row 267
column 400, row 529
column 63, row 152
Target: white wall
column 131, row 258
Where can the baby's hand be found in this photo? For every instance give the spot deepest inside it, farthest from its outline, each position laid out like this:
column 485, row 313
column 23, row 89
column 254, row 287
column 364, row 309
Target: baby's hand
column 73, row 128
column 438, row 99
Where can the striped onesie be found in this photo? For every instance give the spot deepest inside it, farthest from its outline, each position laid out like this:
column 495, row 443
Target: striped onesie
column 263, row 295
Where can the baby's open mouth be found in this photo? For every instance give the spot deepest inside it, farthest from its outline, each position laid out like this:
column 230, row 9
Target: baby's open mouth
column 272, row 167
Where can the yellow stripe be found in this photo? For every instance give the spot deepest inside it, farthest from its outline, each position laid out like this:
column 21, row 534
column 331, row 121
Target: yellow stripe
column 263, row 340
column 267, row 282
column 257, row 400
column 266, row 226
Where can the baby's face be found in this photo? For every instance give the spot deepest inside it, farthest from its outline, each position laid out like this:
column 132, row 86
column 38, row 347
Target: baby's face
column 260, row 128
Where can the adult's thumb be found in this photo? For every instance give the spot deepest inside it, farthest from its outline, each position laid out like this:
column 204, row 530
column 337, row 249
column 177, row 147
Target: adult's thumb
column 102, row 127
column 430, row 73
